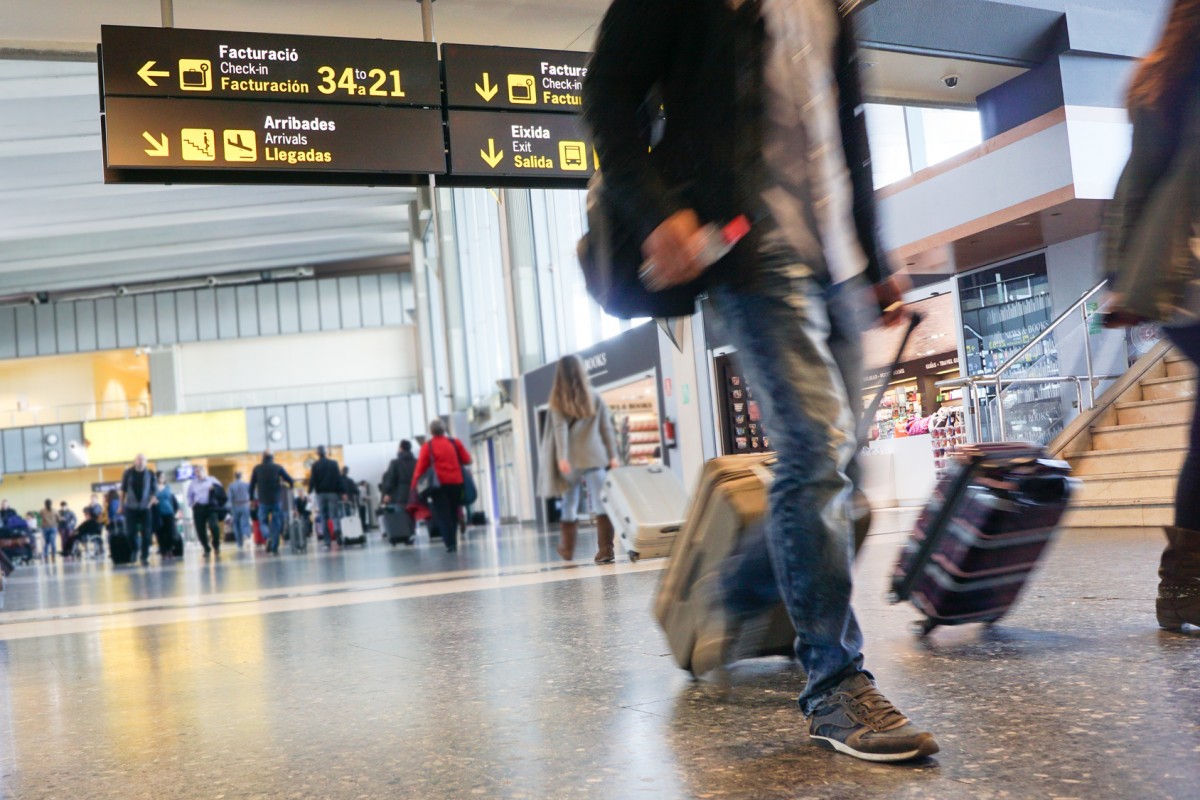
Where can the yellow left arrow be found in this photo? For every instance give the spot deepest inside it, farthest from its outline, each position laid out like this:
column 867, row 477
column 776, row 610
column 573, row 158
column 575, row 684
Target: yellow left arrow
column 159, row 148
column 148, row 73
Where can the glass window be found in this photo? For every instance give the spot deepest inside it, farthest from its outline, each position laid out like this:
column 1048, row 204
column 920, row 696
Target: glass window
column 888, row 134
column 949, row 131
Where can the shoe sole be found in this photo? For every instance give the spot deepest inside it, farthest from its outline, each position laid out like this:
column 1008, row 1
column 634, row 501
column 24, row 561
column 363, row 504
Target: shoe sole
column 924, row 750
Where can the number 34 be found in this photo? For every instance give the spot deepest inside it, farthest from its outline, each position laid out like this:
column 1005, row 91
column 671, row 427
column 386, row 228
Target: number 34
column 330, row 83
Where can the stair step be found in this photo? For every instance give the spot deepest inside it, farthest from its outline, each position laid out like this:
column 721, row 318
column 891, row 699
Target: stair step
column 1155, row 411
column 1129, row 461
column 1155, row 513
column 1174, row 356
column 1182, row 368
column 1142, row 487
column 1143, row 435
column 1168, row 388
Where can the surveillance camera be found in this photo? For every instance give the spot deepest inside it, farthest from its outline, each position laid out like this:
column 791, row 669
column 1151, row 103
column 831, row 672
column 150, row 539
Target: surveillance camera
column 122, row 291
column 211, row 280
column 951, row 81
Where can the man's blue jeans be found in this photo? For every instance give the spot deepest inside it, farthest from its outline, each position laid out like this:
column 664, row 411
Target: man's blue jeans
column 329, row 509
column 241, row 523
column 271, row 513
column 798, row 341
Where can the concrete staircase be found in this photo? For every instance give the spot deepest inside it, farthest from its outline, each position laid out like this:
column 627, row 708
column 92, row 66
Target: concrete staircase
column 1129, row 450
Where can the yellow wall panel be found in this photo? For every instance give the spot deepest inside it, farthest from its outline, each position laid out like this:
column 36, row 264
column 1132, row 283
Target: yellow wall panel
column 169, row 436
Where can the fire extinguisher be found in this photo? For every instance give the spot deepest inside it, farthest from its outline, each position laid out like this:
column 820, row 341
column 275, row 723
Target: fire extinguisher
column 668, row 433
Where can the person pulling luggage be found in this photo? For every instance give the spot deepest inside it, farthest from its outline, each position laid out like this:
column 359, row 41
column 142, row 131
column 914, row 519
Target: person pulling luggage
column 765, row 129
column 325, row 481
column 397, row 480
column 578, row 445
column 266, row 488
column 445, row 459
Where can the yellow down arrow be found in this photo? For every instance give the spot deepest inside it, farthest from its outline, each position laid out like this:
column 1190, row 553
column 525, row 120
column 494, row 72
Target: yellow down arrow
column 159, row 148
column 148, row 73
column 487, row 91
column 491, row 156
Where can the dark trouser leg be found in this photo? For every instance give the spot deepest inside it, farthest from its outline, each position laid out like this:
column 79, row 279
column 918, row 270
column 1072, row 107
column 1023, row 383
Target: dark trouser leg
column 200, row 520
column 796, row 338
column 214, row 528
column 166, row 537
column 1187, row 494
column 446, row 510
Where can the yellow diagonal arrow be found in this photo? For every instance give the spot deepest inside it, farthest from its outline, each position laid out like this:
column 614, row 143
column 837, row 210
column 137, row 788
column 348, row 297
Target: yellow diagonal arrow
column 148, row 73
column 491, row 156
column 159, row 148
column 487, row 91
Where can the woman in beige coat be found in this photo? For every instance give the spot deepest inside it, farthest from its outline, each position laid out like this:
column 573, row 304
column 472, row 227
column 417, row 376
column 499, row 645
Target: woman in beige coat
column 578, row 446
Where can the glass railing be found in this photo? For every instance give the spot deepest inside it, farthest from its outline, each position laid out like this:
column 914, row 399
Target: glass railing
column 33, row 416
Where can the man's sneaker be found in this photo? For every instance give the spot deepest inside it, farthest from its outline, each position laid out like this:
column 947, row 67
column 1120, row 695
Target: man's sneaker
column 716, row 630
column 859, row 721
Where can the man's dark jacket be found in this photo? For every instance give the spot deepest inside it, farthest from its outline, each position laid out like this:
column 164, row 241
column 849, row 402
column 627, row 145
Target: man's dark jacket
column 266, row 481
column 326, row 477
column 706, row 62
column 398, row 478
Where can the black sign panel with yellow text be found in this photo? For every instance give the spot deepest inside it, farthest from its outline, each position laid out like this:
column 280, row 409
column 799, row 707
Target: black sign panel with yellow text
column 533, row 146
column 174, row 62
column 514, row 78
column 178, row 134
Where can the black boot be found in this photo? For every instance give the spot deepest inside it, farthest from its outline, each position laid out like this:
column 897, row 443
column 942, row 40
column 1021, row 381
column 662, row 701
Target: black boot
column 1179, row 580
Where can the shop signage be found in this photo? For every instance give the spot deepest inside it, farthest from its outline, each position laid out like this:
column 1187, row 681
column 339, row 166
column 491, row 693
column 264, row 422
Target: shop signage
column 199, row 64
column 105, row 488
column 914, row 369
column 596, row 362
column 228, row 135
column 530, row 146
column 514, row 79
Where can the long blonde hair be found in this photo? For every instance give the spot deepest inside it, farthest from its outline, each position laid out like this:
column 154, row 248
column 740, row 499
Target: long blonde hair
column 571, row 395
column 1165, row 72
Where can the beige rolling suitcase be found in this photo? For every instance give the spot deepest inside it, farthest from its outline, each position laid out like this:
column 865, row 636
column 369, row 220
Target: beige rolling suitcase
column 730, row 502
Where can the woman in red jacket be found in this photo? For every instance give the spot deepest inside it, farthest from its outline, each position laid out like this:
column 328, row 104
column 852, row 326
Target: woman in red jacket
column 447, row 457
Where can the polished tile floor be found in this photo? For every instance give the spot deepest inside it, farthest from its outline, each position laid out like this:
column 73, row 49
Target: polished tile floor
column 500, row 673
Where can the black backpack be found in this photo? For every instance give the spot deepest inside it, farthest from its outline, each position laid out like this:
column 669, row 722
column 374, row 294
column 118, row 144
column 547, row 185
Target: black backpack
column 217, row 496
column 610, row 256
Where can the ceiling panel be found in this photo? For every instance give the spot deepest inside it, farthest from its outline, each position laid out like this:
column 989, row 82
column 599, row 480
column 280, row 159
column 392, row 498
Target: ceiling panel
column 62, row 228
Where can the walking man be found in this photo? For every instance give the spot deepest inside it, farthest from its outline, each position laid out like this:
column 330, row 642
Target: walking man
column 325, row 481
column 204, row 495
column 138, row 498
column 266, row 487
column 239, row 508
column 764, row 121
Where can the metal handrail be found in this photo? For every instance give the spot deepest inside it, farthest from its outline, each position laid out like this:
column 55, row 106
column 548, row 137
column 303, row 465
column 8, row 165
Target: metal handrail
column 997, row 377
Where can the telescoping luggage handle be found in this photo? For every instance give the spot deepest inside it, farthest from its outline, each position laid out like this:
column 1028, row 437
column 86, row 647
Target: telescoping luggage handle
column 864, row 425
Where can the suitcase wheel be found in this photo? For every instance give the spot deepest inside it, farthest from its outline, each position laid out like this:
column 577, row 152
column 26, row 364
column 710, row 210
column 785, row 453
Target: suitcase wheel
column 634, row 556
column 923, row 628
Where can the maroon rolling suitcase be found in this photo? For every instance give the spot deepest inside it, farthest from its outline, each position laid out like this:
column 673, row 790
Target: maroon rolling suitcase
column 976, row 543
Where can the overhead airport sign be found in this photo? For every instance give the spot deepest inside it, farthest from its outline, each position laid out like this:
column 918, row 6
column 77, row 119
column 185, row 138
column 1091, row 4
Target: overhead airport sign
column 534, row 146
column 174, row 62
column 514, row 79
column 222, row 135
